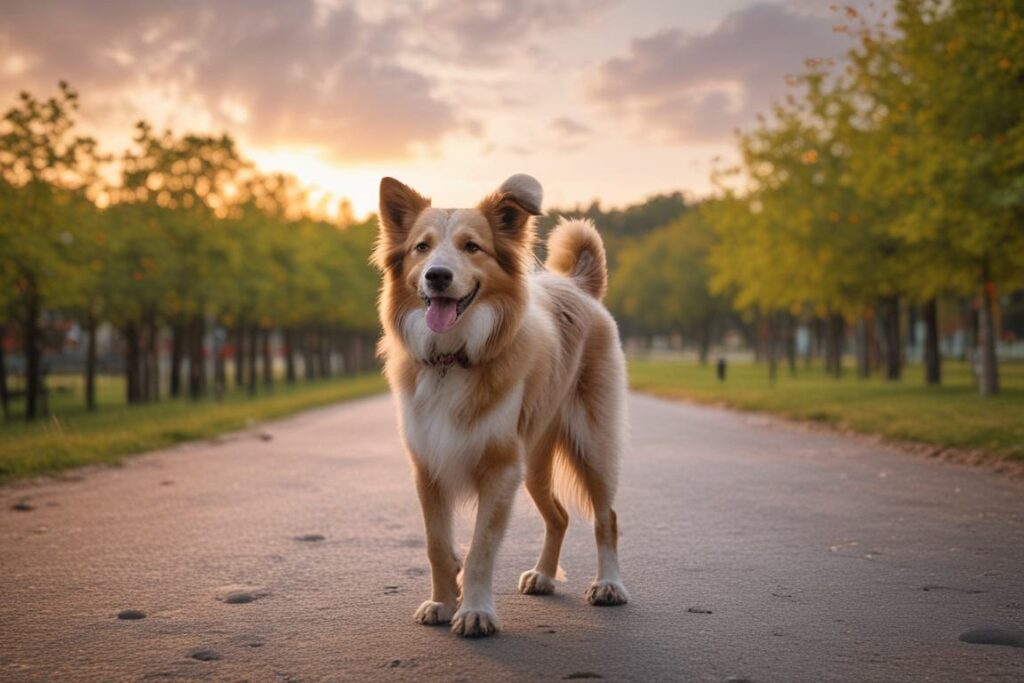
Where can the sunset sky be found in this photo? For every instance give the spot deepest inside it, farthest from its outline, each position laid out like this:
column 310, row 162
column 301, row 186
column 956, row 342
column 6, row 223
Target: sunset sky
column 598, row 99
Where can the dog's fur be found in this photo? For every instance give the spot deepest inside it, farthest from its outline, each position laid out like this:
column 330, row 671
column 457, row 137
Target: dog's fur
column 530, row 380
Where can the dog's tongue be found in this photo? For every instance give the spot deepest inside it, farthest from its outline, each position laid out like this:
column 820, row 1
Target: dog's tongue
column 441, row 314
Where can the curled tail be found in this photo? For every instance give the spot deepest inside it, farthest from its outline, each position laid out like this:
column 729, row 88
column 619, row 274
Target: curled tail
column 575, row 250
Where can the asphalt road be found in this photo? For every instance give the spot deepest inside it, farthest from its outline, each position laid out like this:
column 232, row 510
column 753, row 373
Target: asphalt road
column 752, row 551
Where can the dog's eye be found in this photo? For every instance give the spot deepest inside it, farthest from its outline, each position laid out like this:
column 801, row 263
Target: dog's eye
column 422, row 247
column 472, row 247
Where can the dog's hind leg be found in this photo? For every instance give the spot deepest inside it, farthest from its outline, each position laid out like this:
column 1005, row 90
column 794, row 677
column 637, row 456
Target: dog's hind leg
column 540, row 579
column 444, row 563
column 607, row 588
column 592, row 450
column 497, row 479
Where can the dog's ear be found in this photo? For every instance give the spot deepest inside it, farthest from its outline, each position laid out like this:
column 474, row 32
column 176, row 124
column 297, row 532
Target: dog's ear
column 526, row 190
column 400, row 205
column 510, row 208
column 509, row 212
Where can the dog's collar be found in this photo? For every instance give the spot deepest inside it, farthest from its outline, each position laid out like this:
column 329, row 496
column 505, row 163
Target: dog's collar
column 445, row 362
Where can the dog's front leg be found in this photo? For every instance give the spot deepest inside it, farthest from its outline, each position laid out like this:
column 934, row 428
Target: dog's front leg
column 496, row 479
column 444, row 563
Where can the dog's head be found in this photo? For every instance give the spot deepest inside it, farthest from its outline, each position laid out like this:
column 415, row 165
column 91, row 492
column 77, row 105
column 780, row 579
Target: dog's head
column 455, row 279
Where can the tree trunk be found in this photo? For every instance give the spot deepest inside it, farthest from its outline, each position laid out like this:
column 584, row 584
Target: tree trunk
column 370, row 351
column 196, row 361
column 90, row 363
column 31, row 341
column 239, row 344
column 253, row 351
column 863, row 354
column 5, row 397
column 131, row 363
column 970, row 323
column 791, row 344
column 813, row 342
column 704, row 341
column 220, row 371
column 889, row 308
column 828, row 346
column 932, row 356
column 268, row 360
column 988, row 371
column 771, row 330
column 871, row 331
column 153, row 361
column 324, row 342
column 289, row 355
column 307, row 355
column 177, row 355
column 834, row 345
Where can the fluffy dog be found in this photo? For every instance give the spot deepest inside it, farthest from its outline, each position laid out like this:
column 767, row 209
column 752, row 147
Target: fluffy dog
column 500, row 369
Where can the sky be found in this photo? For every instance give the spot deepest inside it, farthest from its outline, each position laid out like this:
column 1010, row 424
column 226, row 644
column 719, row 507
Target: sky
column 598, row 99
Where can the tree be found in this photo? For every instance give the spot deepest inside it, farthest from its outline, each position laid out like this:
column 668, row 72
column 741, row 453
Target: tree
column 945, row 82
column 42, row 160
column 661, row 284
column 183, row 188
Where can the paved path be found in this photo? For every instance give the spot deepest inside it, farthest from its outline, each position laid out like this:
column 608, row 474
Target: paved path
column 752, row 551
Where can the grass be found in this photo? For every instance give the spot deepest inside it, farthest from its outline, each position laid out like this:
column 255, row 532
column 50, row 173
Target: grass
column 951, row 415
column 72, row 436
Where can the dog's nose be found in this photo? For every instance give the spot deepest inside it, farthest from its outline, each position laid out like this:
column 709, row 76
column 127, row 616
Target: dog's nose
column 438, row 278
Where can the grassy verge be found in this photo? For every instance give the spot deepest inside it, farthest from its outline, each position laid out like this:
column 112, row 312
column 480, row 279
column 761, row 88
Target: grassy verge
column 72, row 436
column 952, row 415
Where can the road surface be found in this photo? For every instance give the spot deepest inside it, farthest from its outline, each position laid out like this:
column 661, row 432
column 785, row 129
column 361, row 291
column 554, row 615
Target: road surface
column 752, row 550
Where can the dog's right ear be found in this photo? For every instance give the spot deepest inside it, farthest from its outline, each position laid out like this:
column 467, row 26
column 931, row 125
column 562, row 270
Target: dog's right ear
column 400, row 205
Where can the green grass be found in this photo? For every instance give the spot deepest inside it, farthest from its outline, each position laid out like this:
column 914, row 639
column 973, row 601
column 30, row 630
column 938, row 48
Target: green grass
column 72, row 436
column 952, row 415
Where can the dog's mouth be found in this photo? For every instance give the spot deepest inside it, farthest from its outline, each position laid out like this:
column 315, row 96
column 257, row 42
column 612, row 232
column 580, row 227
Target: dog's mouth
column 443, row 312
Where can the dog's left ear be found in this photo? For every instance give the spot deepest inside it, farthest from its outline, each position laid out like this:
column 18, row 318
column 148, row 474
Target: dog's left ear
column 509, row 209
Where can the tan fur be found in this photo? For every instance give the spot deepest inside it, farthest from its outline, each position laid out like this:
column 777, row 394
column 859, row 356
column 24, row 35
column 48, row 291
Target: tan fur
column 575, row 250
column 543, row 389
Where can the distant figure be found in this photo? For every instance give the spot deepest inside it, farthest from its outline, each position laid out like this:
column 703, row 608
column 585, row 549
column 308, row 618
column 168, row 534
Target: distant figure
column 720, row 369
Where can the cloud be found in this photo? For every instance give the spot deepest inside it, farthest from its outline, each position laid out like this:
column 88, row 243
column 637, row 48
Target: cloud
column 569, row 127
column 700, row 87
column 568, row 134
column 298, row 73
column 485, row 33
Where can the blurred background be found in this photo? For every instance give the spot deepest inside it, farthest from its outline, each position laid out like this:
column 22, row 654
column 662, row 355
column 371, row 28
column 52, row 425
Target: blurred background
column 809, row 208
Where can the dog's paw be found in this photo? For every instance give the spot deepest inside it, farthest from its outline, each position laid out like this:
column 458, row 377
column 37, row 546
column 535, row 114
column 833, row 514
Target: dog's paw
column 475, row 623
column 606, row 593
column 433, row 613
column 532, row 582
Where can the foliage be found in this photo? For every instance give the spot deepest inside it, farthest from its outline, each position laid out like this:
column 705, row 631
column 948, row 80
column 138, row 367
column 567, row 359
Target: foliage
column 179, row 232
column 894, row 173
column 662, row 281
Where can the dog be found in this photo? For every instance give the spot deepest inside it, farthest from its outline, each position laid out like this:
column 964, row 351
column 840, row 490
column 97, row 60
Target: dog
column 502, row 372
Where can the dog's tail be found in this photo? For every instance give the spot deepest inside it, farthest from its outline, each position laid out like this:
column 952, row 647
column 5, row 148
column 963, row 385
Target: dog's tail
column 575, row 250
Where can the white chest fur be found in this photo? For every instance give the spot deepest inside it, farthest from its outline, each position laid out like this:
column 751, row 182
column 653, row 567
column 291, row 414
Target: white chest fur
column 450, row 449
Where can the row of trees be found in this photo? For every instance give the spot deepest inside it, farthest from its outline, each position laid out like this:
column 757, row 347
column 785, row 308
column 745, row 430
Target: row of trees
column 893, row 180
column 179, row 236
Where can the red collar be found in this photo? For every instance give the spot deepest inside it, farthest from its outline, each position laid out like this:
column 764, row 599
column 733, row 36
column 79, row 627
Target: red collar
column 446, row 361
